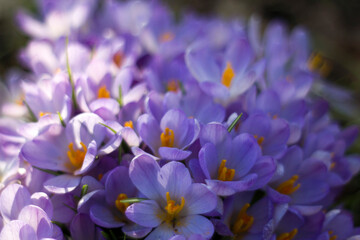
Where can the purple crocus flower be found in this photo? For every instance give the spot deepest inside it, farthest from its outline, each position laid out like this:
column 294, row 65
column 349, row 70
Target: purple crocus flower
column 49, row 96
column 301, row 183
column 108, row 211
column 271, row 134
column 59, row 19
column 235, row 74
column 232, row 165
column 293, row 112
column 71, row 150
column 194, row 103
column 43, row 57
column 170, row 137
column 175, row 203
column 26, row 216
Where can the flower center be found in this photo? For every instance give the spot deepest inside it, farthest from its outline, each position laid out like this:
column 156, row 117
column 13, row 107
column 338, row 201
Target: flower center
column 259, row 140
column 173, row 86
column 288, row 236
column 103, row 92
column 172, row 209
column 118, row 58
column 228, row 75
column 225, row 174
column 129, row 124
column 167, row 37
column 288, row 187
column 318, row 63
column 119, row 205
column 332, row 237
column 41, row 114
column 77, row 156
column 167, row 138
column 243, row 221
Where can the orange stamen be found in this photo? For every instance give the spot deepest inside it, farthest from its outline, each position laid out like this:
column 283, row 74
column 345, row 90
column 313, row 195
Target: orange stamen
column 129, row 124
column 119, row 205
column 167, row 138
column 243, row 221
column 288, row 236
column 103, row 92
column 288, row 187
column 225, row 174
column 76, row 157
column 228, row 75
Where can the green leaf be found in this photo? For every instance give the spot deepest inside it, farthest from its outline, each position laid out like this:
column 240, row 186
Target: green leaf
column 110, row 128
column 73, row 96
column 61, row 120
column 132, row 200
column 56, row 173
column 232, row 125
column 33, row 118
column 84, row 190
column 120, row 99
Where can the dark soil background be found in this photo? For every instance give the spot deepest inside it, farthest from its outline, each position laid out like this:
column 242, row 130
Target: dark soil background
column 335, row 30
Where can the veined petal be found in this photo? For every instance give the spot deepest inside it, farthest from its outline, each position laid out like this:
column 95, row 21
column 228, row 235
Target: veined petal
column 144, row 213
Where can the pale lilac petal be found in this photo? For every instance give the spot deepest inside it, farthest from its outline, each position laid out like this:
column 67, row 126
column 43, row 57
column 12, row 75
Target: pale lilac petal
column 196, row 224
column 43, row 201
column 176, row 179
column 173, row 154
column 227, row 188
column 144, row 213
column 17, row 230
column 13, row 198
column 130, row 137
column 37, row 219
column 88, row 159
column 135, row 231
column 162, row 232
column 215, row 89
column 196, row 196
column 143, row 172
column 62, row 184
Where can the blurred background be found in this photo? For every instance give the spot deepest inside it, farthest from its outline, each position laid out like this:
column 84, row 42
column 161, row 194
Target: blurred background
column 334, row 26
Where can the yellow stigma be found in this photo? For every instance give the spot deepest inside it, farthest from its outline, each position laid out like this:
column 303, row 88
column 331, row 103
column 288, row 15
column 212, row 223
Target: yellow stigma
column 119, row 205
column 243, row 221
column 129, row 124
column 260, row 140
column 288, row 236
column 77, row 156
column 332, row 165
column 288, row 187
column 167, row 37
column 225, row 174
column 103, row 92
column 172, row 209
column 118, row 59
column 317, row 63
column 173, row 86
column 228, row 75
column 167, row 138
column 41, row 114
column 332, row 237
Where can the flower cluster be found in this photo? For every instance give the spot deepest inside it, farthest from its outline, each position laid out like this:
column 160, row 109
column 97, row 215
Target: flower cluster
column 130, row 124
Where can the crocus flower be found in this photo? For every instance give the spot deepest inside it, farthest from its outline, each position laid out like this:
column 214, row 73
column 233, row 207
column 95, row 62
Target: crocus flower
column 175, row 203
column 230, row 165
column 71, row 150
column 170, row 137
column 26, row 216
